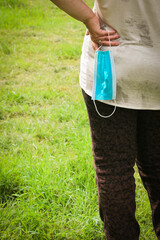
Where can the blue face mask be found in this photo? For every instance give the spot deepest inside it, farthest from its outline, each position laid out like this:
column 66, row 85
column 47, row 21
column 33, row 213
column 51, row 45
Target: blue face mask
column 104, row 83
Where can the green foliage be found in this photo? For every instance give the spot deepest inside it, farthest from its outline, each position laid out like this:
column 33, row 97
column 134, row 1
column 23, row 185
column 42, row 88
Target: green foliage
column 12, row 3
column 4, row 48
column 47, row 184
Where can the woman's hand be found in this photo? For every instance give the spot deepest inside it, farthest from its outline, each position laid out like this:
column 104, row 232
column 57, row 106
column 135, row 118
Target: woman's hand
column 79, row 10
column 99, row 36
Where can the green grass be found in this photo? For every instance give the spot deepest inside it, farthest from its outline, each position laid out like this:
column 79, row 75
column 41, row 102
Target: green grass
column 47, row 184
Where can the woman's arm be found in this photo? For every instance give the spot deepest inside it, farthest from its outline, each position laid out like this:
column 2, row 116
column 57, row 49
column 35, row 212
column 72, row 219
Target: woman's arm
column 75, row 8
column 79, row 10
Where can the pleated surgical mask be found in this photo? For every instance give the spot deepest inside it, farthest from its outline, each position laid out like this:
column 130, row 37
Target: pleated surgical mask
column 104, row 82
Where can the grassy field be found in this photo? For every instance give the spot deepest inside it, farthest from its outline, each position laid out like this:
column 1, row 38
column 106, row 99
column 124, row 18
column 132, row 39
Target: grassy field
column 47, row 184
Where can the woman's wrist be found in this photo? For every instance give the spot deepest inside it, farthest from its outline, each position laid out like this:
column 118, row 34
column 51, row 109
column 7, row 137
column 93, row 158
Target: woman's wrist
column 90, row 20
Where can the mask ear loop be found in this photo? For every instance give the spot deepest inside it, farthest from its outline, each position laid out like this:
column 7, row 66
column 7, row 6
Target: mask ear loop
column 104, row 116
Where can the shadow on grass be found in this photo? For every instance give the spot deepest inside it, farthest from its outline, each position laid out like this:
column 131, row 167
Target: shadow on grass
column 10, row 186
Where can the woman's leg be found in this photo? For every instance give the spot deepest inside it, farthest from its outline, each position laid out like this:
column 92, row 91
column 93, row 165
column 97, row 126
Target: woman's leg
column 114, row 151
column 149, row 160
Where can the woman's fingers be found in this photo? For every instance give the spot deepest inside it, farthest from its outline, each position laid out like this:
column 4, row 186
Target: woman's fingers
column 110, row 37
column 106, row 39
column 95, row 45
column 108, row 43
column 104, row 34
column 104, row 43
column 111, row 32
column 87, row 32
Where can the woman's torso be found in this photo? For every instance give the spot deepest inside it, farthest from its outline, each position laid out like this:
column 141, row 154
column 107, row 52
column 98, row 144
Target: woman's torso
column 137, row 58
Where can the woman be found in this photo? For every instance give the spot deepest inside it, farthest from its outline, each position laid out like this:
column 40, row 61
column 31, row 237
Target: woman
column 132, row 133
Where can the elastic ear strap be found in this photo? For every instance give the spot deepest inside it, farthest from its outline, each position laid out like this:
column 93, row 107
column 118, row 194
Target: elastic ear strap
column 99, row 47
column 109, row 40
column 103, row 116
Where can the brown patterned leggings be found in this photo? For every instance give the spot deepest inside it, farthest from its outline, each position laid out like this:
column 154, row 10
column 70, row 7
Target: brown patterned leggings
column 117, row 142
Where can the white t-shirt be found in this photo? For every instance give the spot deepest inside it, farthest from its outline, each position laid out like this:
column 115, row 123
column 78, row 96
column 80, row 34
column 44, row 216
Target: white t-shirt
column 137, row 58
